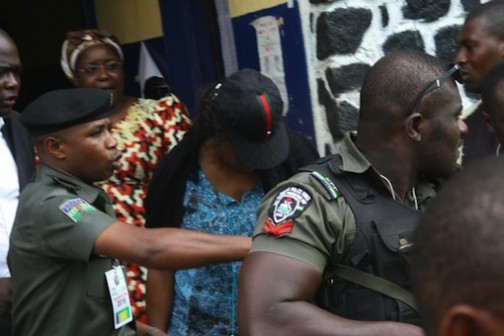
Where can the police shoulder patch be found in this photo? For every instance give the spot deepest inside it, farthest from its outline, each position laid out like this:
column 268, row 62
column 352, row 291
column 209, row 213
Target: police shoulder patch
column 289, row 204
column 74, row 208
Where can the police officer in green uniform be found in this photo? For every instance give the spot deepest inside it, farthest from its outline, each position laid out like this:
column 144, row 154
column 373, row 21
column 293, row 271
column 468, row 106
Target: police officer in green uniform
column 323, row 234
column 66, row 245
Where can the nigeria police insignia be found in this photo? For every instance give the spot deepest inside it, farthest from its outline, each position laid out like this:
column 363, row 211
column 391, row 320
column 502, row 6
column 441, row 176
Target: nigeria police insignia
column 76, row 207
column 288, row 205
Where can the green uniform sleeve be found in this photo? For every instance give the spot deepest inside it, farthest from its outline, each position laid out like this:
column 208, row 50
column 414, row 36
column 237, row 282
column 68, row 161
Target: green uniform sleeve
column 68, row 226
column 318, row 233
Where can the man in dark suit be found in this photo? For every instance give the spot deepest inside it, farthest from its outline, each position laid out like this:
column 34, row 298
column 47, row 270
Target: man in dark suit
column 16, row 162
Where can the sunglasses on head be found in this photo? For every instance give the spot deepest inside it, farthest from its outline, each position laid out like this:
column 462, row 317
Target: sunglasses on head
column 453, row 72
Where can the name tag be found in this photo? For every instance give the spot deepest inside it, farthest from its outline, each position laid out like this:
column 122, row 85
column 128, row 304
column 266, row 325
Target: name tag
column 119, row 296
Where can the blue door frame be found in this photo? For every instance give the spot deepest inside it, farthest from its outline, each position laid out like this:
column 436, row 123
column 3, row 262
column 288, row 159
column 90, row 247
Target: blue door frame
column 190, row 46
column 193, row 60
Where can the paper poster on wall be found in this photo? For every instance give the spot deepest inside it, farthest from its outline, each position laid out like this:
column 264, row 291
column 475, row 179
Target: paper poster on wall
column 270, row 53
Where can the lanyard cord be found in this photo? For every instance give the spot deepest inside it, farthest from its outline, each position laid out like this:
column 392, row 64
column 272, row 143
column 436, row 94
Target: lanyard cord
column 392, row 191
column 389, row 186
column 413, row 194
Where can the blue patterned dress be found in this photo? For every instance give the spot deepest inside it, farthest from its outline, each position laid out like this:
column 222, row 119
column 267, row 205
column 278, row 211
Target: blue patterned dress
column 205, row 297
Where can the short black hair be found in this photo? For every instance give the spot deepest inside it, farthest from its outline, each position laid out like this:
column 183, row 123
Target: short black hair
column 393, row 85
column 492, row 12
column 458, row 249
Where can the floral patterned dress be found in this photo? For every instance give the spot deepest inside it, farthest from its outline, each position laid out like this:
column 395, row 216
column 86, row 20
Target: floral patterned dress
column 149, row 130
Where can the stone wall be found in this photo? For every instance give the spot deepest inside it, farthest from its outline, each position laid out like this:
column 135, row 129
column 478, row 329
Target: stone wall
column 344, row 38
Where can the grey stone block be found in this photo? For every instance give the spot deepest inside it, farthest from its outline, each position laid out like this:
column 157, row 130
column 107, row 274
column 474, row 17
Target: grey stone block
column 446, row 43
column 345, row 78
column 427, row 10
column 341, row 31
column 409, row 39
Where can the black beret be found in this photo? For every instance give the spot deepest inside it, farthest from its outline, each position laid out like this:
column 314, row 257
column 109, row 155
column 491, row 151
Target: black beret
column 60, row 109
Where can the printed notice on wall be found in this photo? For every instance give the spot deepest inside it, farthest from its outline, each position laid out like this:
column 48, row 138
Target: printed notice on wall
column 269, row 49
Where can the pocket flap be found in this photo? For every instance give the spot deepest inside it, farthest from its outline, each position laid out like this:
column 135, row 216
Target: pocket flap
column 396, row 239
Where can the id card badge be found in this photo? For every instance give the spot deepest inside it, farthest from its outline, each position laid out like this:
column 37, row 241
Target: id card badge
column 119, row 296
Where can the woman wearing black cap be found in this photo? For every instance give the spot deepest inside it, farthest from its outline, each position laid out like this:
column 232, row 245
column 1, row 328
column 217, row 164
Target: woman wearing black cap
column 213, row 181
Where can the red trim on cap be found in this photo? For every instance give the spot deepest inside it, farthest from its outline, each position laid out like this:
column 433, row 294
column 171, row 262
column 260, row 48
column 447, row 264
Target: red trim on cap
column 267, row 112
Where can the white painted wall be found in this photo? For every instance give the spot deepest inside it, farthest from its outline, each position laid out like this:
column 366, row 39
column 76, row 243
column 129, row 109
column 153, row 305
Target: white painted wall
column 370, row 50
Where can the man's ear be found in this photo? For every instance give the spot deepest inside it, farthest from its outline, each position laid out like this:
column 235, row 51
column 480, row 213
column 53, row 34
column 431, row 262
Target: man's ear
column 465, row 320
column 54, row 147
column 487, row 121
column 412, row 126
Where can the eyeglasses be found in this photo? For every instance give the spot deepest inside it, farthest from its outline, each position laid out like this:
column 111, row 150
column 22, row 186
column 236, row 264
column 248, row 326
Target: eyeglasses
column 92, row 70
column 453, row 72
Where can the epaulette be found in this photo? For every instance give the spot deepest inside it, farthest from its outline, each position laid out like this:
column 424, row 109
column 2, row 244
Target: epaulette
column 66, row 184
column 331, row 189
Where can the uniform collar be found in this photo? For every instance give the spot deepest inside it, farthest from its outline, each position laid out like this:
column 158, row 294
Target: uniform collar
column 81, row 189
column 353, row 160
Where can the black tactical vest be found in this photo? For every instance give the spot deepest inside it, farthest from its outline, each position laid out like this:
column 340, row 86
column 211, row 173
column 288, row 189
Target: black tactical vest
column 384, row 236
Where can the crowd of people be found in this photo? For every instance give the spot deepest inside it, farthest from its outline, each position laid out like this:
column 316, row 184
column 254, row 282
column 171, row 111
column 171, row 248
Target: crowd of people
column 122, row 215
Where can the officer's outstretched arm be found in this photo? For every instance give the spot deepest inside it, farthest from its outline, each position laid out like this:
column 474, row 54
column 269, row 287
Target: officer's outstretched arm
column 169, row 248
column 274, row 298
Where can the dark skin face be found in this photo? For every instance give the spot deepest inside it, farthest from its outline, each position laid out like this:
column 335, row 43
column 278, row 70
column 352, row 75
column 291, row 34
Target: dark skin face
column 227, row 156
column 442, row 131
column 87, row 151
column 423, row 143
column 225, row 171
column 478, row 52
column 103, row 79
column 10, row 68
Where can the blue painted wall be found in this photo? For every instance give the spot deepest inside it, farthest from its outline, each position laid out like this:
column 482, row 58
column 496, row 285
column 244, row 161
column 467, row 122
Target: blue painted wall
column 299, row 116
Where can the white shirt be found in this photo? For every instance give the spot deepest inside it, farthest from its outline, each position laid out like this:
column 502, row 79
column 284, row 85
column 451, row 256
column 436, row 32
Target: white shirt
column 9, row 197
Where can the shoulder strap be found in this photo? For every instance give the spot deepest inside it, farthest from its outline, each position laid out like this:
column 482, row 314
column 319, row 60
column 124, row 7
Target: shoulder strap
column 375, row 283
